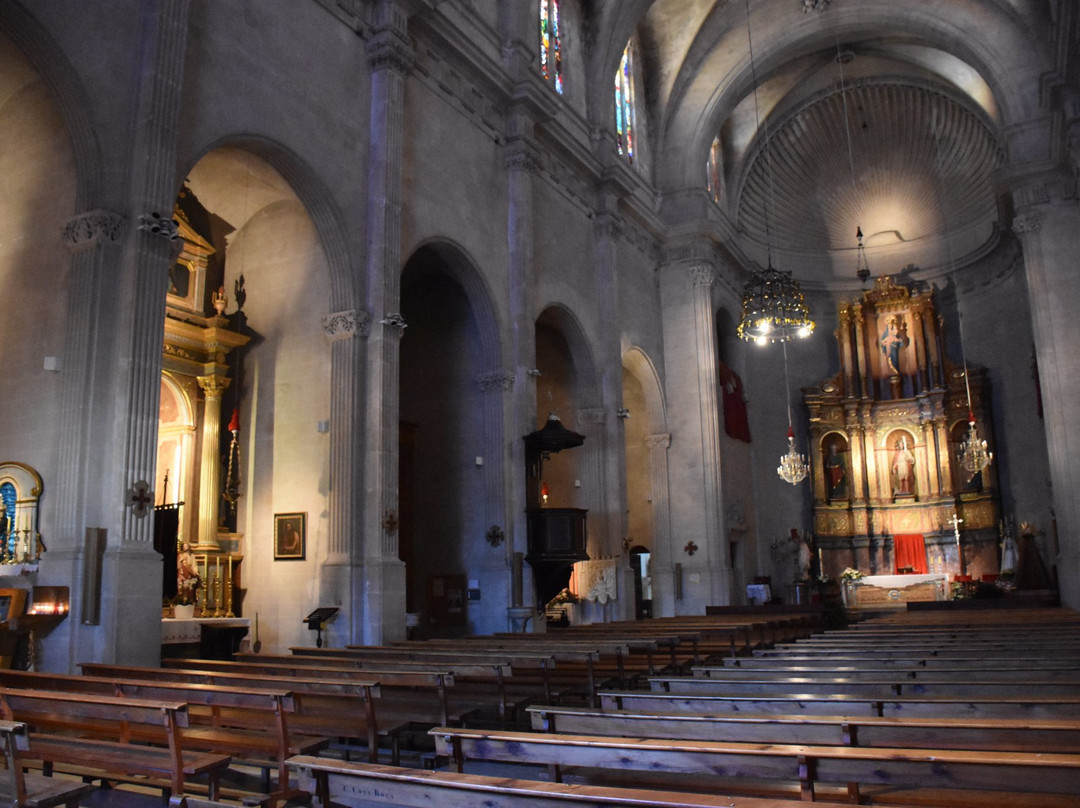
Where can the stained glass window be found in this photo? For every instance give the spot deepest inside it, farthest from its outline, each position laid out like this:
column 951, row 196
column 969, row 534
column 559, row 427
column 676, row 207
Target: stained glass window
column 551, row 43
column 713, row 169
column 625, row 114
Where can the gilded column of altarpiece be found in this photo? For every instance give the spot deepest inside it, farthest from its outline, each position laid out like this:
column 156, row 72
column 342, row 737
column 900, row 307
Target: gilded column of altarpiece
column 885, row 436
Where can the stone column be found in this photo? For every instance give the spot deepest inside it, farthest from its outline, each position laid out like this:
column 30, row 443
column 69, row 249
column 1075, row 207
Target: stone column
column 522, row 161
column 210, row 462
column 612, row 520
column 345, row 331
column 1050, row 235
column 132, row 569
column 95, row 239
column 379, row 594
column 690, row 363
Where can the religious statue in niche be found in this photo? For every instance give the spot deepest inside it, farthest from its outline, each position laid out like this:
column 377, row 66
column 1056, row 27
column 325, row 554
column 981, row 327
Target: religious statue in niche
column 893, row 338
column 836, row 477
column 903, row 468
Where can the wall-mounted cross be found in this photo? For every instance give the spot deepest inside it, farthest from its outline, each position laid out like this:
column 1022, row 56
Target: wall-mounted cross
column 140, row 498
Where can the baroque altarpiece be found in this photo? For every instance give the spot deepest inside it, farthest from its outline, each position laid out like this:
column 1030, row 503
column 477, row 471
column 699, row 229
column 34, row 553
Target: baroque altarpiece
column 889, row 491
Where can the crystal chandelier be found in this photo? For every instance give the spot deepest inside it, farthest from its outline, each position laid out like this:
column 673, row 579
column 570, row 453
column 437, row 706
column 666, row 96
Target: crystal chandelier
column 773, row 307
column 793, row 468
column 974, row 456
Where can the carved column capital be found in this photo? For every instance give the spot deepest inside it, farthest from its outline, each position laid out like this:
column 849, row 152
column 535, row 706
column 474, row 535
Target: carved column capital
column 391, row 49
column 520, row 155
column 157, row 225
column 213, row 386
column 499, row 381
column 93, row 228
column 1026, row 223
column 609, row 226
column 396, row 321
column 346, row 324
column 660, row 441
column 702, row 275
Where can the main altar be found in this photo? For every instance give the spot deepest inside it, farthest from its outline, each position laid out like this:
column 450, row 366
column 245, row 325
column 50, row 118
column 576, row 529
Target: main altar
column 889, row 492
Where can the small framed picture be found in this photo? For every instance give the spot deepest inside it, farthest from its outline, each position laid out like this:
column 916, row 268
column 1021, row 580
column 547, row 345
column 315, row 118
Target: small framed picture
column 290, row 536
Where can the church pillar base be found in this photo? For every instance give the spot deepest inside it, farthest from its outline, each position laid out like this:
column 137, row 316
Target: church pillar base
column 381, row 601
column 131, row 605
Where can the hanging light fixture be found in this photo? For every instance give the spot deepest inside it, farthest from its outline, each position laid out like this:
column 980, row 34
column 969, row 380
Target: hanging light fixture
column 773, row 306
column 974, row 455
column 793, row 467
column 862, row 269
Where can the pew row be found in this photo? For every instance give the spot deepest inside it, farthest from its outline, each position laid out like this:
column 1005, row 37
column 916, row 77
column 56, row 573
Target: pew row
column 338, row 782
column 246, row 723
column 602, row 758
column 88, row 734
column 898, row 731
column 24, row 790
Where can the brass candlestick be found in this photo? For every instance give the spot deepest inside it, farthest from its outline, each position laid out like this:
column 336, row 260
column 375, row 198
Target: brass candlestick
column 228, row 586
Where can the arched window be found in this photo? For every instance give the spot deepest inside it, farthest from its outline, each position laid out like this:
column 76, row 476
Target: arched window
column 713, row 169
column 625, row 114
column 551, row 43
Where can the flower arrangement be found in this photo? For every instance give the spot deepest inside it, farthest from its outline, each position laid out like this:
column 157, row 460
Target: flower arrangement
column 851, row 574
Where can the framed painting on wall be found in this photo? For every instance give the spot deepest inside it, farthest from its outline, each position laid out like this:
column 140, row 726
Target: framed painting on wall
column 290, row 536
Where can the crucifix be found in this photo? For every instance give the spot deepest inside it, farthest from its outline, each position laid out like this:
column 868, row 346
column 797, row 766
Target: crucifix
column 956, row 522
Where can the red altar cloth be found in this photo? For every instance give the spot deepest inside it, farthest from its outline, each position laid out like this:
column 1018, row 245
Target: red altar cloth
column 910, row 551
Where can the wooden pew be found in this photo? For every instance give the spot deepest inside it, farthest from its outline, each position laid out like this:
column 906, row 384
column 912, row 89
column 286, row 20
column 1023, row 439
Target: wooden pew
column 991, row 671
column 911, row 660
column 338, row 709
column 343, row 783
column 104, row 752
column 21, row 789
column 899, row 731
column 878, row 687
column 1041, row 708
column 246, row 723
column 470, row 682
column 854, row 767
column 533, row 668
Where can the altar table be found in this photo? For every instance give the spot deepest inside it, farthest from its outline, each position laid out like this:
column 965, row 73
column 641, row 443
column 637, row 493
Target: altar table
column 897, row 590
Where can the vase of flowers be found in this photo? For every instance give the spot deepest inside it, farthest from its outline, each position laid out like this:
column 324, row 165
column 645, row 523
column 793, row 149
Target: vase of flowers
column 849, row 579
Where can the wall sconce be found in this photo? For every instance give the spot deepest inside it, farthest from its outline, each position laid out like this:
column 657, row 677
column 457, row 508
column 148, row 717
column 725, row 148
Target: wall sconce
column 623, row 413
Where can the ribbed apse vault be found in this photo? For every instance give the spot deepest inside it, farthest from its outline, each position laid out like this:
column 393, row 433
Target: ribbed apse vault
column 922, row 162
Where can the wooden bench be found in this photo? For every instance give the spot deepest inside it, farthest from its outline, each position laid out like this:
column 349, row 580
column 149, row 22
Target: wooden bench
column 877, row 687
column 1044, row 708
column 990, row 672
column 339, row 782
column 458, row 698
column 603, row 758
column 91, row 734
column 246, row 723
column 907, row 731
column 337, row 709
column 23, row 790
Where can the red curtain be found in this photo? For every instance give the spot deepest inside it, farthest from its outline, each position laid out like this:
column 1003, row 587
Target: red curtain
column 910, row 551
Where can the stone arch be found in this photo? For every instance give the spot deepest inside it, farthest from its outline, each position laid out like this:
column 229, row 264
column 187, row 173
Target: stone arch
column 317, row 200
column 450, row 447
column 49, row 62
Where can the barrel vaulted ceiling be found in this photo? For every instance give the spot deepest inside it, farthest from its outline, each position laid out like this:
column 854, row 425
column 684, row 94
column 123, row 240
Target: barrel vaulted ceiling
column 881, row 114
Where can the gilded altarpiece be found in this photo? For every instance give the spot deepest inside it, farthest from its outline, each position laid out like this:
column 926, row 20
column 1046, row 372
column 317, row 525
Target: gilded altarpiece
column 885, row 443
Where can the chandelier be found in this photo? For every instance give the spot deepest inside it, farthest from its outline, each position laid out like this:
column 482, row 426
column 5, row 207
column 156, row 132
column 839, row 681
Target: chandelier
column 793, row 467
column 773, row 307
